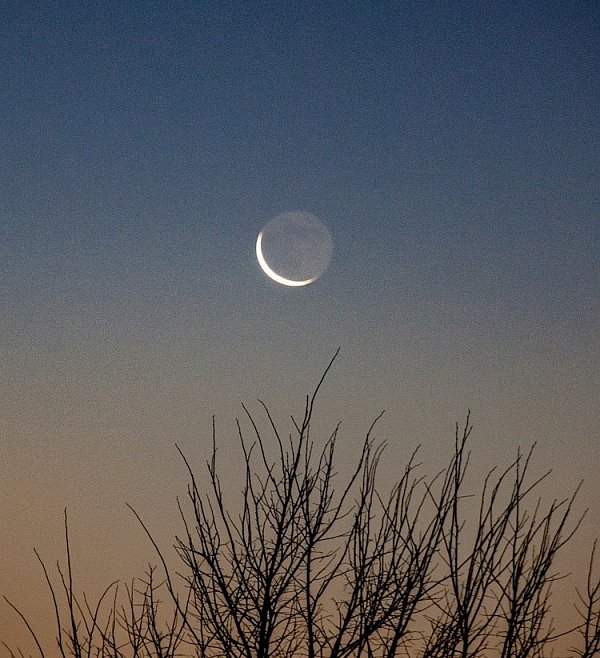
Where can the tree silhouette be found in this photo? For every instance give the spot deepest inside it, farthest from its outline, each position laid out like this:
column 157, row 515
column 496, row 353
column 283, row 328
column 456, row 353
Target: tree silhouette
column 310, row 564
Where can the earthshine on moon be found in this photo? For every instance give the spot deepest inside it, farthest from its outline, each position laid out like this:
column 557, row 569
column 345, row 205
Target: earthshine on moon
column 294, row 248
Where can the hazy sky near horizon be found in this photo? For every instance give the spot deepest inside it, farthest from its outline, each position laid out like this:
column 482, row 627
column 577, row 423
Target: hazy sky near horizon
column 451, row 148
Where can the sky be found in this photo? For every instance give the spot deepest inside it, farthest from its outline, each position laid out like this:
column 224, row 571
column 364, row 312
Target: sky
column 451, row 148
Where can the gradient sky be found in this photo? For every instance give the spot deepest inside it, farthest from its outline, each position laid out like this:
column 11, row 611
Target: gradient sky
column 453, row 150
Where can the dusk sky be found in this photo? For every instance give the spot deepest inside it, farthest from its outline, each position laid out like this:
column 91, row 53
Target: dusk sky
column 451, row 148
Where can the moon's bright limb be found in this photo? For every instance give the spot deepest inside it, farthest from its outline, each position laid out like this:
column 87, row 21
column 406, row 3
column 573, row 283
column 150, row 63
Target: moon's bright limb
column 269, row 272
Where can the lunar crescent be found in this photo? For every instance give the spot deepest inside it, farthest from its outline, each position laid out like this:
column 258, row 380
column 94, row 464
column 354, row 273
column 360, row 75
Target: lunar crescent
column 269, row 272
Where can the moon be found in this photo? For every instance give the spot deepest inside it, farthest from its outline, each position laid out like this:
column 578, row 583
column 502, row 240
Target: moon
column 294, row 248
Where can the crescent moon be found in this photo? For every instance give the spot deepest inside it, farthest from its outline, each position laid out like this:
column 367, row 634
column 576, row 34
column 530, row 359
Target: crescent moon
column 269, row 272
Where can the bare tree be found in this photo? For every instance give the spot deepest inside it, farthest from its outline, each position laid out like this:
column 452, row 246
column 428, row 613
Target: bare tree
column 589, row 611
column 109, row 628
column 306, row 563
